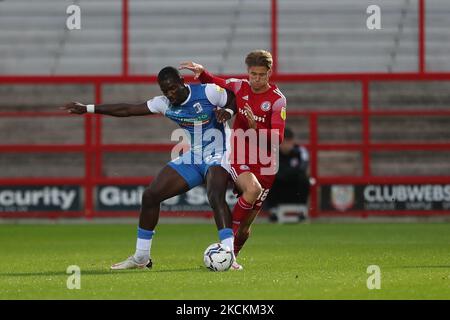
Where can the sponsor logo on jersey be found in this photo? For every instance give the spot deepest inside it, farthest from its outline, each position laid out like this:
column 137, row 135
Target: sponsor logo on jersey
column 265, row 106
column 201, row 119
column 257, row 118
column 245, row 98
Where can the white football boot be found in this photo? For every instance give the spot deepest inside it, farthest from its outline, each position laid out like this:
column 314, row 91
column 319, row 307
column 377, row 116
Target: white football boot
column 236, row 266
column 130, row 263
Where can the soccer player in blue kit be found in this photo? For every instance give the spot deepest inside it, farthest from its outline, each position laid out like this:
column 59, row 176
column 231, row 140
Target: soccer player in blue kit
column 195, row 108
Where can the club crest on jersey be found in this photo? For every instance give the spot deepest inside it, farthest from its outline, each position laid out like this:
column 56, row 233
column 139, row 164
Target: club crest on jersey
column 198, row 107
column 265, row 106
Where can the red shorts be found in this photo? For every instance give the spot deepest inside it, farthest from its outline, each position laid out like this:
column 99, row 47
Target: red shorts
column 266, row 181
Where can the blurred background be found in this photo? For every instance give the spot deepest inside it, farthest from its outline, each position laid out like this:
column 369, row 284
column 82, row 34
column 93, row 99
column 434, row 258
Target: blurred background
column 370, row 107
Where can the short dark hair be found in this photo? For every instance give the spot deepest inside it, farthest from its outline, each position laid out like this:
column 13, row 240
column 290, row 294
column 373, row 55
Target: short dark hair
column 169, row 73
column 288, row 133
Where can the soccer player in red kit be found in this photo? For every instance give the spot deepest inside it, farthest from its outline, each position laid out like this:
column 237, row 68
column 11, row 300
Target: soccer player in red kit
column 261, row 107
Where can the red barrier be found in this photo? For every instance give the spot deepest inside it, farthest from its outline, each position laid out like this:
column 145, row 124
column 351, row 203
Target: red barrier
column 93, row 149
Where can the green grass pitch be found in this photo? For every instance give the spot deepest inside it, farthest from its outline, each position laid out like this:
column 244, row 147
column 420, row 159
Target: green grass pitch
column 304, row 261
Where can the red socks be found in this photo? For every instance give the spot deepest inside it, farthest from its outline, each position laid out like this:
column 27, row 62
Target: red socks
column 240, row 241
column 241, row 210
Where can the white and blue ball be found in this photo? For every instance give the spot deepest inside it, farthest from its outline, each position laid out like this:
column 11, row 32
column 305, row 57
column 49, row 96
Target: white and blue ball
column 218, row 257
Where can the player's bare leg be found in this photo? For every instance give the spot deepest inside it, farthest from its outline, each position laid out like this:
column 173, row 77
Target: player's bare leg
column 168, row 183
column 216, row 188
column 250, row 189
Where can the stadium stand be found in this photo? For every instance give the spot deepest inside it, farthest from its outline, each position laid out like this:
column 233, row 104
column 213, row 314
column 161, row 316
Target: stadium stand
column 320, row 36
column 33, row 39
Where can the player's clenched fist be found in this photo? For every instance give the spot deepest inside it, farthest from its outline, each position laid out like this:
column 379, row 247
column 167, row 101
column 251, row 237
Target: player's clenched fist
column 222, row 115
column 75, row 107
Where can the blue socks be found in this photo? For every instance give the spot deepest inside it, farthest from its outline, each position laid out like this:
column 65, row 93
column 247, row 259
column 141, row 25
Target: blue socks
column 145, row 234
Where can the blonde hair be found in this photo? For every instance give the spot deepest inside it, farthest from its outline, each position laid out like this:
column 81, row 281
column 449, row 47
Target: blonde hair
column 259, row 58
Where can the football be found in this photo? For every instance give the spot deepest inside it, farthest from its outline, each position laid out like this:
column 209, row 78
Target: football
column 218, row 257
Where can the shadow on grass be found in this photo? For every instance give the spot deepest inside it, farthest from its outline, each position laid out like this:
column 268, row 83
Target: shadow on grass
column 98, row 272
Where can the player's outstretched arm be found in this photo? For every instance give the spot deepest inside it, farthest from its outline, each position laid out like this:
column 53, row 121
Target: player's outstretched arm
column 116, row 110
column 204, row 76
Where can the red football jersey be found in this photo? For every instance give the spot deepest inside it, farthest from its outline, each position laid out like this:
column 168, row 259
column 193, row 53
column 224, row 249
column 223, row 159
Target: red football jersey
column 269, row 109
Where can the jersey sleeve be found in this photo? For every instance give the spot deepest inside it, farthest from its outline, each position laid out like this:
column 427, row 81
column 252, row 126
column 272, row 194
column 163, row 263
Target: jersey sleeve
column 216, row 95
column 278, row 118
column 231, row 84
column 158, row 104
